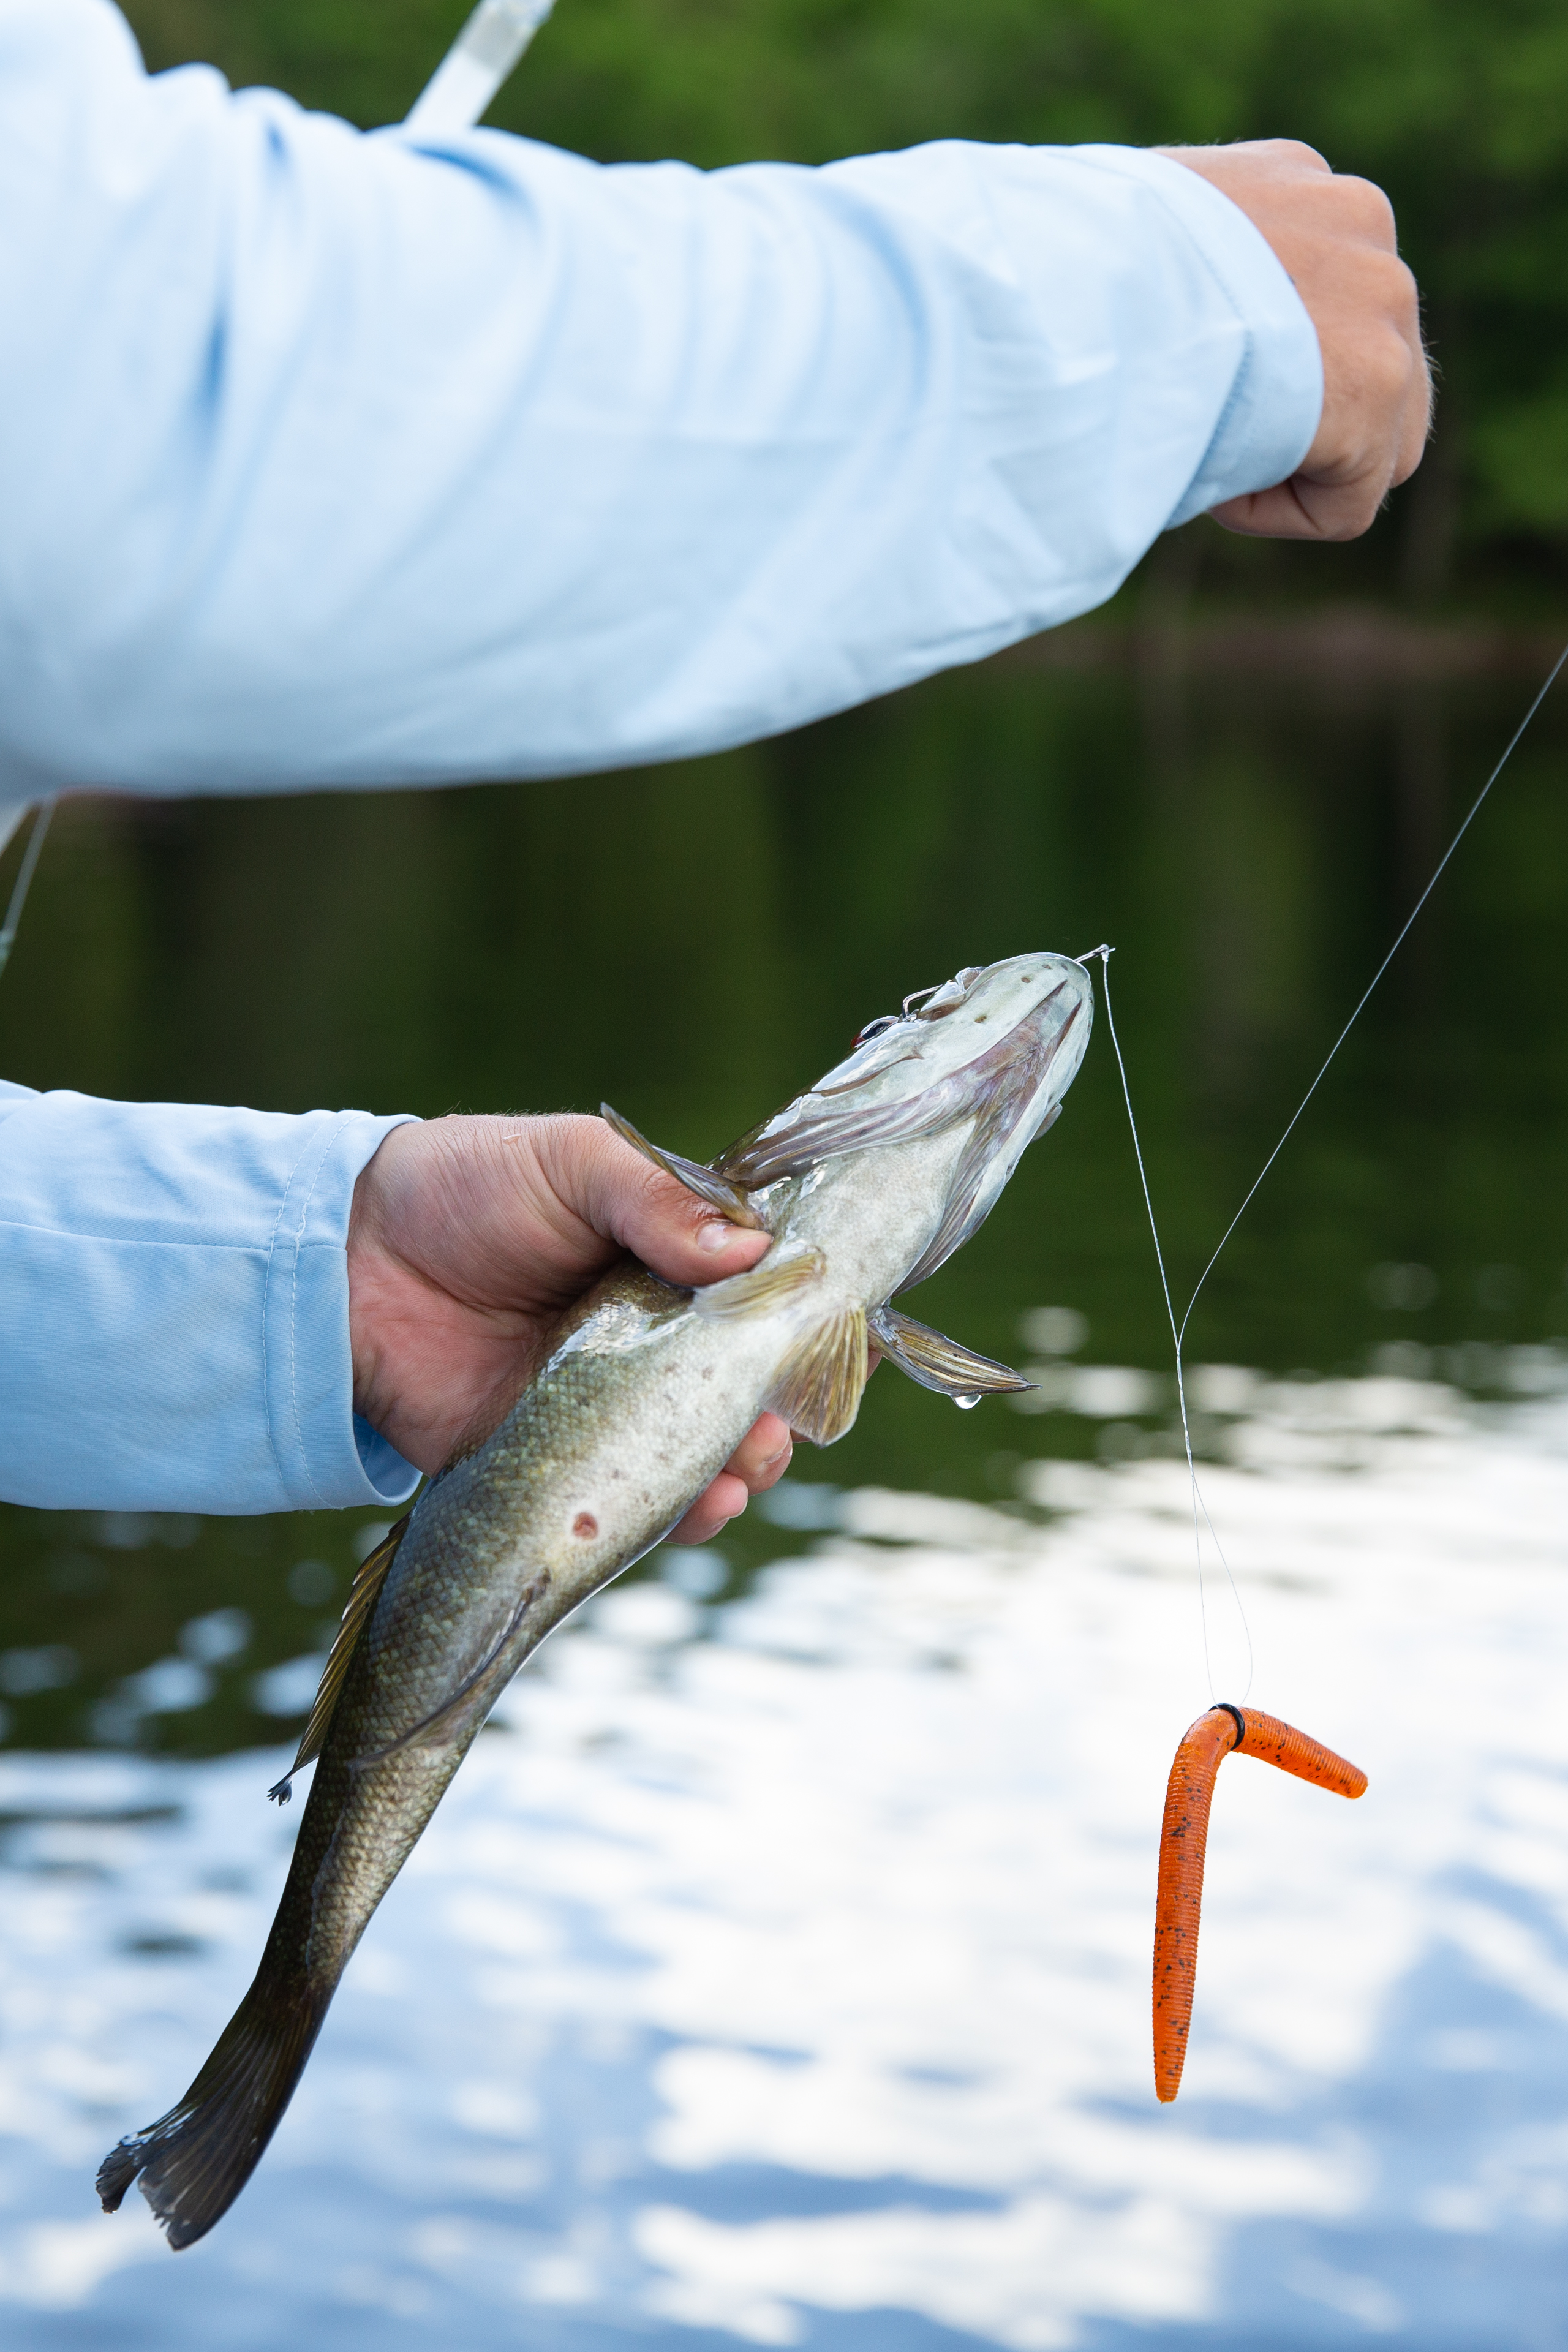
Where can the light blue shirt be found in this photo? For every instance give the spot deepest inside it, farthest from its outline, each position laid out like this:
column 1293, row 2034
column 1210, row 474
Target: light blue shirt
column 336, row 459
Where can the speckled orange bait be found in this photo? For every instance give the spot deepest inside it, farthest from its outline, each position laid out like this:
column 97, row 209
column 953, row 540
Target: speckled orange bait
column 1184, row 1833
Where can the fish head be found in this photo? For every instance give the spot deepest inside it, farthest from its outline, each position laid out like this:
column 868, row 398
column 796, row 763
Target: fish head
column 1029, row 1009
column 998, row 1045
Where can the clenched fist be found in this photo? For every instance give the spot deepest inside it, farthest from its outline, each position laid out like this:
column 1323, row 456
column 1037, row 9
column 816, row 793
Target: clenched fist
column 1335, row 236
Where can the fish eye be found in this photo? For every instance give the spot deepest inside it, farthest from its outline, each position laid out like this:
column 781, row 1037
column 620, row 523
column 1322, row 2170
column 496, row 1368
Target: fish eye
column 875, row 1028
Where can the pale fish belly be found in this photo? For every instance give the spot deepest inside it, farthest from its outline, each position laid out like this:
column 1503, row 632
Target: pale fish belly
column 872, row 1214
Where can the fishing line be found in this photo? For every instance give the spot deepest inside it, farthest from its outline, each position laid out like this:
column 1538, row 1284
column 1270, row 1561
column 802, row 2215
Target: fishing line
column 1437, row 877
column 24, row 881
column 1201, row 1517
column 1200, row 1508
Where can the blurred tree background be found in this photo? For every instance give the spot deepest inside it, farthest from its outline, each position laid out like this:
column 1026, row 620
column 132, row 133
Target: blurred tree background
column 1458, row 108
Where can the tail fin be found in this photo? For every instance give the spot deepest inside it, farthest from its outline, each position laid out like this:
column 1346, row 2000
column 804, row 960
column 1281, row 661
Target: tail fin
column 195, row 2161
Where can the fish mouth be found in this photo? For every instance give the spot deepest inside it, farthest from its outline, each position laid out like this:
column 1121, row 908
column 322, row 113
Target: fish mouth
column 948, row 996
column 1017, row 1018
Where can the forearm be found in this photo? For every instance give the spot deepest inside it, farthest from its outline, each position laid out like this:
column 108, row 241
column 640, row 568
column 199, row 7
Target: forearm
column 332, row 462
column 174, row 1309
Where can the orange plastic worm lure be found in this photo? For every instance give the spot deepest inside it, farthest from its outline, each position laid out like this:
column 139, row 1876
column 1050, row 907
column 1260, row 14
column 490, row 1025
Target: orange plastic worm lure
column 1184, row 1834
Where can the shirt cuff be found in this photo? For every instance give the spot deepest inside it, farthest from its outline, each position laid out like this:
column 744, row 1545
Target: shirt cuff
column 327, row 1456
column 174, row 1309
column 1270, row 420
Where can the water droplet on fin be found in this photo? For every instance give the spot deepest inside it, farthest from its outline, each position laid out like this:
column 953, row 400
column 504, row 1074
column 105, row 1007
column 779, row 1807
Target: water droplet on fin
column 967, row 1404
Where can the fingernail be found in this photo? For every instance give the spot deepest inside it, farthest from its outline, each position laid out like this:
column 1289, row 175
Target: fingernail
column 784, row 1453
column 714, row 1236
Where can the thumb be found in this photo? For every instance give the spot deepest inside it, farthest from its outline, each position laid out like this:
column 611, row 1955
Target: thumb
column 628, row 1200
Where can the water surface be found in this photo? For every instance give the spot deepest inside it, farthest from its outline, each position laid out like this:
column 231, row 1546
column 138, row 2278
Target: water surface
column 779, row 1971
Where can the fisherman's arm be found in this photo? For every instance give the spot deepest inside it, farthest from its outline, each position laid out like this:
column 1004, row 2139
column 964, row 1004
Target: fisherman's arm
column 329, row 460
column 176, row 1308
column 221, row 1310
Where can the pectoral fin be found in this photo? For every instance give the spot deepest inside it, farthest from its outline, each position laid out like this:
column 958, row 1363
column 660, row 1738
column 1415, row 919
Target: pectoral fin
column 820, row 1381
column 362, row 1595
column 938, row 1362
column 767, row 1286
column 717, row 1191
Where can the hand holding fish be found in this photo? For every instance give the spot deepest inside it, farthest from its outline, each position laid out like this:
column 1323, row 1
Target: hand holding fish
column 469, row 1236
column 1335, row 235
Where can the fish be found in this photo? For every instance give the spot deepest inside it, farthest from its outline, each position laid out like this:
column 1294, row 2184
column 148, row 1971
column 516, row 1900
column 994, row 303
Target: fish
column 866, row 1184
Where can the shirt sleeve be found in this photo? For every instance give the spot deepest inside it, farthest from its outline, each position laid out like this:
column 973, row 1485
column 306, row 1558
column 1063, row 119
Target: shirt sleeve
column 174, row 1309
column 334, row 458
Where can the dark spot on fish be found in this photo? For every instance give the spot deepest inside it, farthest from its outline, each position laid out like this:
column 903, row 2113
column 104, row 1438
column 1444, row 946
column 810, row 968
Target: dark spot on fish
column 586, row 1525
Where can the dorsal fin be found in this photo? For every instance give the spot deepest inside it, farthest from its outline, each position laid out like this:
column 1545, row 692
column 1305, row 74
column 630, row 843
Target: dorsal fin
column 717, row 1191
column 938, row 1362
column 820, row 1381
column 366, row 1585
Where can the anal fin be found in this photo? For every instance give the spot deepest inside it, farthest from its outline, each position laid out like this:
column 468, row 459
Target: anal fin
column 938, row 1362
column 362, row 1597
column 717, row 1191
column 821, row 1380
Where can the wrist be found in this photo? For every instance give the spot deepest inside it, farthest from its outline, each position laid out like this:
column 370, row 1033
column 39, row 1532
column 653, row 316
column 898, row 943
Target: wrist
column 374, row 1270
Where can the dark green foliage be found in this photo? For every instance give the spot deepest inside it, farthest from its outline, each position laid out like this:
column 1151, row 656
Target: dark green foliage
column 1459, row 108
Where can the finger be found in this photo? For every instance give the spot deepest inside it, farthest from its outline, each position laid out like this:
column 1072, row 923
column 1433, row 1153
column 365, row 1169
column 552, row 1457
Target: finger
column 1417, row 429
column 1303, row 509
column 758, row 1463
column 1289, row 157
column 762, row 1455
column 1284, row 158
column 1362, row 210
column 1348, row 474
column 1279, row 513
column 607, row 1185
column 714, row 1509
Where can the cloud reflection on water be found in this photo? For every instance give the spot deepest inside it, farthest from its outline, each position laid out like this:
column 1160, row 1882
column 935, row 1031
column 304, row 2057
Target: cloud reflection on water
column 781, row 1969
